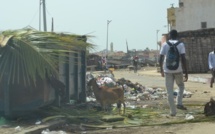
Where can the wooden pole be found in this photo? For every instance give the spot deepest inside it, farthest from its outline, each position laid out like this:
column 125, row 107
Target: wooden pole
column 44, row 15
column 52, row 25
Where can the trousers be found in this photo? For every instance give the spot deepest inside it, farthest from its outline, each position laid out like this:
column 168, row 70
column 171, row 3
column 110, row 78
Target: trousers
column 170, row 78
column 212, row 78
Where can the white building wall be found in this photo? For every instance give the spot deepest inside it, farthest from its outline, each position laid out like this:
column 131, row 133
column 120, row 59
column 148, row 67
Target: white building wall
column 190, row 16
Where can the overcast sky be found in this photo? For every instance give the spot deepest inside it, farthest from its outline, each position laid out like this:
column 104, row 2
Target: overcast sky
column 133, row 20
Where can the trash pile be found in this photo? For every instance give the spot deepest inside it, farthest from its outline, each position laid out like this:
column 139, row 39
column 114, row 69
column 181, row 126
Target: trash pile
column 132, row 91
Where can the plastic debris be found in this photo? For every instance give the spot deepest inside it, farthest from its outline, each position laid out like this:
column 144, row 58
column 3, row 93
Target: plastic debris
column 18, row 128
column 189, row 117
column 107, row 81
column 133, row 92
column 109, row 128
column 186, row 93
column 47, row 131
column 38, row 122
column 90, row 99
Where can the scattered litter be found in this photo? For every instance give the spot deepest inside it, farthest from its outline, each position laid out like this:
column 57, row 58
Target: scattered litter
column 72, row 101
column 134, row 92
column 109, row 128
column 144, row 106
column 89, row 99
column 105, row 81
column 47, row 131
column 38, row 123
column 18, row 128
column 189, row 117
column 186, row 94
column 132, row 106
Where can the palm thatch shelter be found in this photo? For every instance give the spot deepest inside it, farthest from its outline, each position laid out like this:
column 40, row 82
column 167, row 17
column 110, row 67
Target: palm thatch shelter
column 38, row 67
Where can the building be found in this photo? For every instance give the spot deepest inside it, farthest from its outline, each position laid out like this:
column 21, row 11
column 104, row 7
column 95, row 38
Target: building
column 41, row 74
column 195, row 15
column 198, row 44
column 171, row 18
column 194, row 20
column 191, row 15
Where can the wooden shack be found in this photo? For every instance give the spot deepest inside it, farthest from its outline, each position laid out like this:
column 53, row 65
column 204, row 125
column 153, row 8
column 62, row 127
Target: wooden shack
column 29, row 58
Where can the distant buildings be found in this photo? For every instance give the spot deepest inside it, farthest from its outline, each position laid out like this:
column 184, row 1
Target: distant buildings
column 122, row 58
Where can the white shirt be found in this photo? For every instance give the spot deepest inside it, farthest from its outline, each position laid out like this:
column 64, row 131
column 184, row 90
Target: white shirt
column 211, row 60
column 164, row 50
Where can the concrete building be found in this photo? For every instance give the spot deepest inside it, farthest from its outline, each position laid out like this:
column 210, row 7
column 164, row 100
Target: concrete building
column 192, row 15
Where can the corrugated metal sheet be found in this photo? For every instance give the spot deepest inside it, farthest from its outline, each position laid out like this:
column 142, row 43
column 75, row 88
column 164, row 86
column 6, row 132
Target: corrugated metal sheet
column 72, row 74
column 16, row 99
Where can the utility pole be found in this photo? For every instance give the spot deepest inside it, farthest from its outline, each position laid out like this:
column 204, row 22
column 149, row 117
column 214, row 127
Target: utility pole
column 44, row 15
column 108, row 21
column 52, row 25
column 127, row 46
column 40, row 15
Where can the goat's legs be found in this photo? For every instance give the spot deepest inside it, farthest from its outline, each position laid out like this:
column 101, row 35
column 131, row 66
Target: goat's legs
column 124, row 107
column 119, row 107
column 103, row 106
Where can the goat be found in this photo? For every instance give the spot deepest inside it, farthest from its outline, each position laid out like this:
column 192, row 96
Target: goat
column 108, row 95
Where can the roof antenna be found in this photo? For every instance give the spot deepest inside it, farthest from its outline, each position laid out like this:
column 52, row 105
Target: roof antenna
column 172, row 4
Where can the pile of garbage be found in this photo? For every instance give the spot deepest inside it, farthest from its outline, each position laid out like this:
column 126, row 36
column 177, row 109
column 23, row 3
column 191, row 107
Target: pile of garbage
column 132, row 91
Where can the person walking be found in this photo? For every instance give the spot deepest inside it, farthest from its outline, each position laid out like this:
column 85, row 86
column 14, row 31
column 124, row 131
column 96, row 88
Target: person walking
column 211, row 63
column 135, row 63
column 172, row 64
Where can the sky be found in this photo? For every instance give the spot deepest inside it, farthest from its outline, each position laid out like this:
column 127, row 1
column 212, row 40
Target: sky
column 134, row 21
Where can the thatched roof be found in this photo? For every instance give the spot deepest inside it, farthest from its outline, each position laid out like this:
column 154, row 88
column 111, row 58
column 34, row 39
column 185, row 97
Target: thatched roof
column 26, row 53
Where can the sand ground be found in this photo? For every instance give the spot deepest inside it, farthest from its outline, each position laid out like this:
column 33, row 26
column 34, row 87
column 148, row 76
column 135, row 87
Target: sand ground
column 198, row 84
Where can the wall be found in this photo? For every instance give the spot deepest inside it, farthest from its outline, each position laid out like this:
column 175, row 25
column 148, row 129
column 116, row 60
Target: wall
column 193, row 12
column 73, row 74
column 198, row 44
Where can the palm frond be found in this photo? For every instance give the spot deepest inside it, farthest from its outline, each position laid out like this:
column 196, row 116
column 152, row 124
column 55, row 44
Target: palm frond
column 27, row 53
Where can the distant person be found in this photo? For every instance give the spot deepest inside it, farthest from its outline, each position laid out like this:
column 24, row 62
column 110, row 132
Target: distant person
column 103, row 63
column 99, row 64
column 211, row 63
column 135, row 63
column 172, row 65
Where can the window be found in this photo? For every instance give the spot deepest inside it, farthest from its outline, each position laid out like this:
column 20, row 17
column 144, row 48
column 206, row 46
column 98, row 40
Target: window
column 181, row 4
column 204, row 24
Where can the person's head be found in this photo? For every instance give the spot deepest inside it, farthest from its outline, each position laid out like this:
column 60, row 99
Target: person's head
column 173, row 34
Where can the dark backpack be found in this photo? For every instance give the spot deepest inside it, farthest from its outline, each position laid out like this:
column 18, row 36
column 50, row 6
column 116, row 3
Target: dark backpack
column 173, row 56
